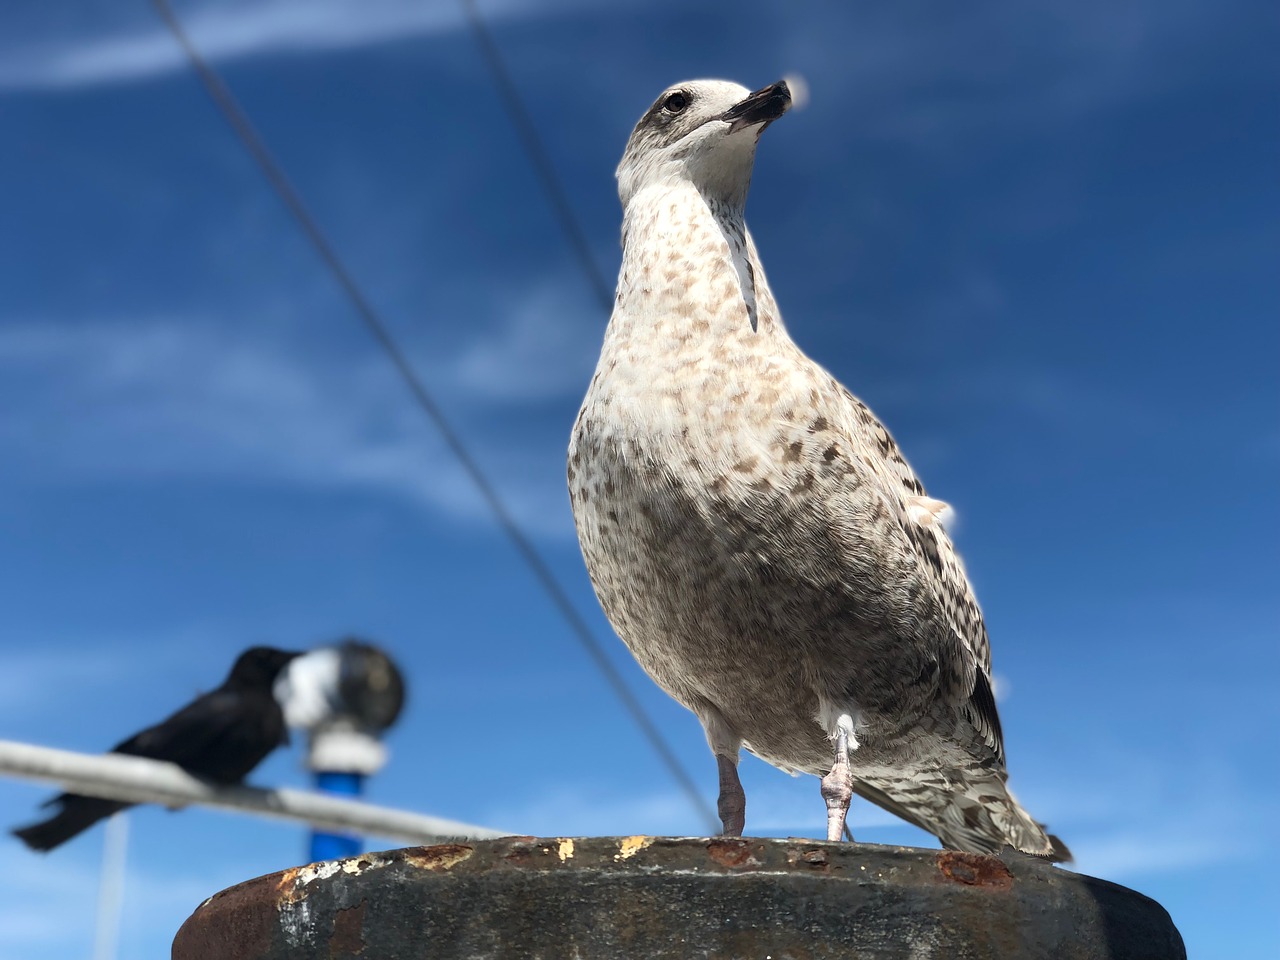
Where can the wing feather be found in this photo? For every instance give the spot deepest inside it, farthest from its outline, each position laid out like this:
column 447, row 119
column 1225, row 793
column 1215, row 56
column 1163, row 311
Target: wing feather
column 922, row 519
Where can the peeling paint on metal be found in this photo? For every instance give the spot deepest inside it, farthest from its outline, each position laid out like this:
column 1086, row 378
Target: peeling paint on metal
column 296, row 923
column 293, row 882
column 564, row 849
column 287, row 882
column 358, row 865
column 443, row 856
column 628, row 847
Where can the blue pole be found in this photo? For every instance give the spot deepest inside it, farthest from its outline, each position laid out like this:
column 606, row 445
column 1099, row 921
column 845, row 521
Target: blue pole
column 336, row 846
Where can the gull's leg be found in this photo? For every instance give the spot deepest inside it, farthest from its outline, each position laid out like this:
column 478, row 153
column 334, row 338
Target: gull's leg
column 837, row 786
column 732, row 805
column 726, row 745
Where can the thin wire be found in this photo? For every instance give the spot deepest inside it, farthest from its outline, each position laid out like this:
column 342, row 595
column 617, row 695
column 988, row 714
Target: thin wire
column 527, row 130
column 253, row 142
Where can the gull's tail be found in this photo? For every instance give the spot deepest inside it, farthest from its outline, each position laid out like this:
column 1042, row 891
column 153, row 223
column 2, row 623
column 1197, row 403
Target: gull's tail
column 973, row 811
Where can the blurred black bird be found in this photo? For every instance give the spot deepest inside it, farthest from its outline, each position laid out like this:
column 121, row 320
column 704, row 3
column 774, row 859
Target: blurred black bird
column 220, row 736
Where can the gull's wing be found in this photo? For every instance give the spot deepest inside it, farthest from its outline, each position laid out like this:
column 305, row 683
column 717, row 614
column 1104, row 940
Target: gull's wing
column 921, row 518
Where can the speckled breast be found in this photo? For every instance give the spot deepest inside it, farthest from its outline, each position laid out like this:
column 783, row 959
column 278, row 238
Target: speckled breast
column 718, row 561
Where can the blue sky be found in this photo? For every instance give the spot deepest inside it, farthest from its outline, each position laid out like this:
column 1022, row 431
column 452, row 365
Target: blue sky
column 1039, row 239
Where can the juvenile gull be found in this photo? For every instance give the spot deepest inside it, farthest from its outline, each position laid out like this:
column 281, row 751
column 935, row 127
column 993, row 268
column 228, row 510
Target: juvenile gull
column 750, row 527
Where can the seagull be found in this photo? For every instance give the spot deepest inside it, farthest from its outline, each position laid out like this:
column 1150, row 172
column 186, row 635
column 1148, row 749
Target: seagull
column 221, row 736
column 753, row 532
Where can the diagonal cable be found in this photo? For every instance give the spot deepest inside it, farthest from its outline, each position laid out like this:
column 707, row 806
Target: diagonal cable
column 527, row 130
column 254, row 144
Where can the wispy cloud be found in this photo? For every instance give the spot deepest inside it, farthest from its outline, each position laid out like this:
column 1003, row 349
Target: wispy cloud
column 1132, row 816
column 577, row 810
column 1058, row 400
column 930, row 79
column 27, row 676
column 148, row 399
column 136, row 49
column 1126, row 855
column 1125, row 821
column 548, row 344
column 776, row 806
column 45, row 674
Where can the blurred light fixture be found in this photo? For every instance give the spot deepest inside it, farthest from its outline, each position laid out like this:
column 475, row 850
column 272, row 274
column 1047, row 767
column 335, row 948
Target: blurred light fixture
column 345, row 696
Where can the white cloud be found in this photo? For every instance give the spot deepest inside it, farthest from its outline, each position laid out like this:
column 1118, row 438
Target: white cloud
column 777, row 805
column 39, row 676
column 27, row 677
column 930, row 79
column 1124, row 855
column 149, row 399
column 1062, row 402
column 226, row 31
column 579, row 810
column 1137, row 815
column 547, row 346
column 1124, row 821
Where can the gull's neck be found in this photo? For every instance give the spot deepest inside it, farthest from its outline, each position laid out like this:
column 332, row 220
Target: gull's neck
column 690, row 271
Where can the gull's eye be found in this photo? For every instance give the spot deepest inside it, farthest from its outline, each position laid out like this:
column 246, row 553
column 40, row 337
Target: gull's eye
column 675, row 103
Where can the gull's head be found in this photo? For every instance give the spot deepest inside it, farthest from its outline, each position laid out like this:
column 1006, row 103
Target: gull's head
column 701, row 132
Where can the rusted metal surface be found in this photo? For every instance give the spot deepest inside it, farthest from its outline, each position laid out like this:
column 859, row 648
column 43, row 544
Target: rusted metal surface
column 602, row 898
column 975, row 869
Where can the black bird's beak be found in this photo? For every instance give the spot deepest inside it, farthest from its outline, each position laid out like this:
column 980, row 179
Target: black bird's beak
column 763, row 107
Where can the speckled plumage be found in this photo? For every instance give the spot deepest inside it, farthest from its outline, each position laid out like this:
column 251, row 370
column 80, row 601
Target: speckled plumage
column 751, row 529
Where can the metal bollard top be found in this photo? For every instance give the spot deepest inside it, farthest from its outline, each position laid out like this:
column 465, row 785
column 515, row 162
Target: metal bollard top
column 662, row 897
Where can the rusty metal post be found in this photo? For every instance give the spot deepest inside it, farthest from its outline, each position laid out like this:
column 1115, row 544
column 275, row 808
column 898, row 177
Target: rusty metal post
column 603, row 898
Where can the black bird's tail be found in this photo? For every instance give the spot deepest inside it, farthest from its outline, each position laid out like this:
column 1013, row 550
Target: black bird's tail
column 77, row 815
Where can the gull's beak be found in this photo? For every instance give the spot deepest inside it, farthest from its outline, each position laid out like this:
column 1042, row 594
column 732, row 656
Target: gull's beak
column 762, row 107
